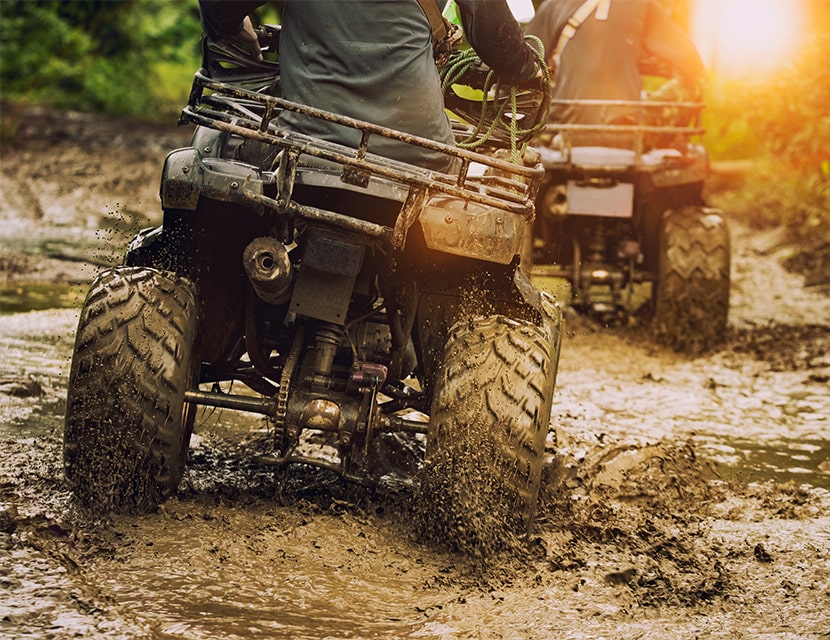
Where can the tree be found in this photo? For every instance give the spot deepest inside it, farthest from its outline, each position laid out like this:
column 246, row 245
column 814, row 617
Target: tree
column 93, row 55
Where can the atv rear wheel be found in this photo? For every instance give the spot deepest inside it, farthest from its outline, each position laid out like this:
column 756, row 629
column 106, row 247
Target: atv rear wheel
column 691, row 298
column 127, row 425
column 488, row 425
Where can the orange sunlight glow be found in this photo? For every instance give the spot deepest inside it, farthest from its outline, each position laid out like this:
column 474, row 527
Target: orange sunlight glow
column 747, row 37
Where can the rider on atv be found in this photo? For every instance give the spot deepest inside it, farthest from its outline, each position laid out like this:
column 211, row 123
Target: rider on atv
column 600, row 49
column 374, row 61
column 331, row 289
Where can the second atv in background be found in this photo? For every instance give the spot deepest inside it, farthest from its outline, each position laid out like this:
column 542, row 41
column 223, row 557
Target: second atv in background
column 613, row 216
column 623, row 200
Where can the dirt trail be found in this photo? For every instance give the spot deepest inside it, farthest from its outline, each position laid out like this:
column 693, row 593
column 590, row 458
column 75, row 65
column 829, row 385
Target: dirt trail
column 687, row 498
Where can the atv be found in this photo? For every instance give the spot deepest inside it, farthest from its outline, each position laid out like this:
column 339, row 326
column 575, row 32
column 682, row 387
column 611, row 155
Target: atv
column 621, row 206
column 335, row 292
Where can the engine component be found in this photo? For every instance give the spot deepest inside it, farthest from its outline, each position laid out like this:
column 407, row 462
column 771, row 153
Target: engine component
column 269, row 269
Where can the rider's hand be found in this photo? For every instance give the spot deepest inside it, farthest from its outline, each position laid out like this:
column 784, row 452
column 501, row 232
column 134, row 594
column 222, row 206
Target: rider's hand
column 247, row 36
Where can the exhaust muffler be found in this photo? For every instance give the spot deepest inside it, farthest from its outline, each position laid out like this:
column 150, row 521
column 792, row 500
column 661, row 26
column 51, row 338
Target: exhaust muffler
column 269, row 269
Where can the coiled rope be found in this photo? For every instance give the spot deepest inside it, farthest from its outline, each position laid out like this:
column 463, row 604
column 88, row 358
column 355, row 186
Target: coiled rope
column 483, row 131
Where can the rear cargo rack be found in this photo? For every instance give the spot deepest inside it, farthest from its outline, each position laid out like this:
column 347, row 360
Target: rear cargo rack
column 641, row 130
column 474, row 177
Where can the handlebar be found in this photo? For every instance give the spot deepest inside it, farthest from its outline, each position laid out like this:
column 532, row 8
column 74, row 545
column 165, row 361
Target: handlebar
column 269, row 37
column 233, row 63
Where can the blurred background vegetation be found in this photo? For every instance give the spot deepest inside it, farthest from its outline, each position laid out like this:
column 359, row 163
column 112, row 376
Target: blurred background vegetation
column 131, row 57
column 136, row 58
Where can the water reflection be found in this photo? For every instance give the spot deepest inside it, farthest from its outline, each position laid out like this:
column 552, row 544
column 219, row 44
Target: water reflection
column 782, row 461
column 19, row 298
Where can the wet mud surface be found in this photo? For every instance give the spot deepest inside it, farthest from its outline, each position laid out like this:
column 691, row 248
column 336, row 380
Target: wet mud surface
column 685, row 498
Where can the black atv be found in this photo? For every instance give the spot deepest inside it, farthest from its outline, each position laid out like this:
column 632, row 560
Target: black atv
column 332, row 291
column 622, row 205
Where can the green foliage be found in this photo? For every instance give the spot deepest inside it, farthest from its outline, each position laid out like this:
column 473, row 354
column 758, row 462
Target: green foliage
column 798, row 201
column 787, row 116
column 728, row 131
column 791, row 115
column 770, row 196
column 94, row 55
column 784, row 125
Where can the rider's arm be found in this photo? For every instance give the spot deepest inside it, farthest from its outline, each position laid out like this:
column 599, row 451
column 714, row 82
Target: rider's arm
column 497, row 38
column 665, row 40
column 229, row 19
column 224, row 18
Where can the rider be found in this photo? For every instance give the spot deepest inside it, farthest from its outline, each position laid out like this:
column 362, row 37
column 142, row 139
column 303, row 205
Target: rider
column 373, row 61
column 600, row 55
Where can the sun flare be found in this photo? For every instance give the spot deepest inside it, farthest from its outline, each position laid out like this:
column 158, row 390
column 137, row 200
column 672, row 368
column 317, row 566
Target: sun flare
column 743, row 37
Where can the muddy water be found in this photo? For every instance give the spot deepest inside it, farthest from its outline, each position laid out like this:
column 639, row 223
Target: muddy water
column 274, row 574
column 686, row 498
column 752, row 421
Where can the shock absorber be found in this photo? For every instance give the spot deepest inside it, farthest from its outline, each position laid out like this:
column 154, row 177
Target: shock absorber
column 596, row 245
column 327, row 341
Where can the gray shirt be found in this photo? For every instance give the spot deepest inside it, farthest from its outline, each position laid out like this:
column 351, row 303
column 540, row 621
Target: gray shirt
column 367, row 59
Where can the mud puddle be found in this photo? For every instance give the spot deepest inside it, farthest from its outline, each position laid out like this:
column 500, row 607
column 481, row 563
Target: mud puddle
column 39, row 297
column 686, row 498
column 780, row 461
